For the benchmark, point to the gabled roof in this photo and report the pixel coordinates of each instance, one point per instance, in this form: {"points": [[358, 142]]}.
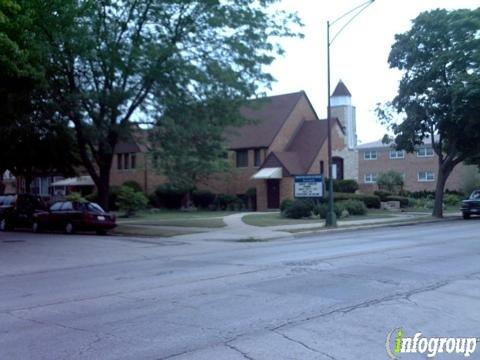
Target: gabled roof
{"points": [[341, 90], [303, 149], [268, 115]]}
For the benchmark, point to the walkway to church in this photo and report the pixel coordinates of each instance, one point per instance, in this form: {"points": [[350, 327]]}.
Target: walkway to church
{"points": [[237, 230]]}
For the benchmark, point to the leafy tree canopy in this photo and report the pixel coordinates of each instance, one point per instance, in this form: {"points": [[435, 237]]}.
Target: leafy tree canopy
{"points": [[439, 93], [112, 63]]}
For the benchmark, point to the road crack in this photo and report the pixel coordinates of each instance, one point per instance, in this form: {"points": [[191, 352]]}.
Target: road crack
{"points": [[304, 345]]}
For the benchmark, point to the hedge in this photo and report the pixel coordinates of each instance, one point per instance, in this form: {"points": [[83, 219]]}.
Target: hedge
{"points": [[298, 209], [203, 198], [345, 186], [370, 201]]}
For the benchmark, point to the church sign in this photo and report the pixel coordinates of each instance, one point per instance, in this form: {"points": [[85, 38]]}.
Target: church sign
{"points": [[308, 186]]}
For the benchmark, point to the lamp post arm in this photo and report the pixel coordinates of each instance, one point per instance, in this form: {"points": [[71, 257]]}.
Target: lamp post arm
{"points": [[360, 9]]}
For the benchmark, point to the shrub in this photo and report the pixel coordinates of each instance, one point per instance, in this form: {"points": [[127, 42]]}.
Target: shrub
{"points": [[382, 194], [424, 194], [424, 203], [346, 186], [370, 201], [202, 198], [169, 196], [285, 204], [452, 199], [228, 202], [134, 185], [322, 209], [404, 201], [390, 181], [130, 201], [298, 209], [75, 196], [354, 207], [112, 197]]}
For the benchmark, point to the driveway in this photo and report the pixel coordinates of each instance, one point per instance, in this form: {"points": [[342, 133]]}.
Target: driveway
{"points": [[330, 296]]}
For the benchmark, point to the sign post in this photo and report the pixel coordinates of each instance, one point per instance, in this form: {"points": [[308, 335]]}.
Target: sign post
{"points": [[309, 186]]}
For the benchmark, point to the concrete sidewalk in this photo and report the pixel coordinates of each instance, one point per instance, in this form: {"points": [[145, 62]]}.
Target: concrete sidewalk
{"points": [[237, 230]]}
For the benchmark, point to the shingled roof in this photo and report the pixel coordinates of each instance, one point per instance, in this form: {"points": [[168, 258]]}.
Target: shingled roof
{"points": [[341, 90], [268, 116], [303, 148]]}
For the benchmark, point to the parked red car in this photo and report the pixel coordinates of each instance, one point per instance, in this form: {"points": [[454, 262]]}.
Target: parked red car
{"points": [[71, 216]]}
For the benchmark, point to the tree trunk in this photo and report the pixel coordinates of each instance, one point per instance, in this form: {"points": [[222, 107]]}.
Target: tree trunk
{"points": [[103, 186], [444, 171], [28, 183]]}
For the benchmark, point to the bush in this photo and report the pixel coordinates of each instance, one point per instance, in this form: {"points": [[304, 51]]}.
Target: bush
{"points": [[322, 209], [424, 194], [298, 209], [75, 196], [112, 197], [391, 181], [228, 202], [169, 196], [346, 186], [404, 201], [130, 201], [134, 185], [452, 199], [370, 201], [285, 204], [382, 194], [354, 207], [203, 198], [424, 203]]}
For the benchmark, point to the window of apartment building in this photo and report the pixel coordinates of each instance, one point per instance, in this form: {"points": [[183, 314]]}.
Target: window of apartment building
{"points": [[397, 154], [370, 178], [257, 158], [242, 158], [424, 152], [426, 176], [370, 155], [322, 167], [126, 161]]}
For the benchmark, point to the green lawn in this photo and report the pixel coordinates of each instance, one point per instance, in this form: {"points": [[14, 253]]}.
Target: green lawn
{"points": [[129, 230], [207, 219], [274, 219]]}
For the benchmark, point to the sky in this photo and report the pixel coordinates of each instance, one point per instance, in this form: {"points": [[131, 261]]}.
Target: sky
{"points": [[358, 56]]}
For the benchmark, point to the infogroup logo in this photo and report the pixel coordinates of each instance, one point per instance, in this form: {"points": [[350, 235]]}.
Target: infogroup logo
{"points": [[397, 343]]}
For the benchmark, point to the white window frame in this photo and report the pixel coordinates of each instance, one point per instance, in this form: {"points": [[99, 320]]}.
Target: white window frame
{"points": [[370, 157], [426, 178], [396, 154], [424, 153], [370, 178]]}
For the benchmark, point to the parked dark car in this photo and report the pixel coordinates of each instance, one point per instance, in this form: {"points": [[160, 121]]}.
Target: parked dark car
{"points": [[71, 216], [472, 205], [17, 210]]}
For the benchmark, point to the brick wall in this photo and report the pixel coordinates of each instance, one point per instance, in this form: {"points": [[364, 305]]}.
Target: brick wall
{"points": [[410, 166]]}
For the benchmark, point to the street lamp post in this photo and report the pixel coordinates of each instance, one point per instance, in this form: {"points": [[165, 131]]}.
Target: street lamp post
{"points": [[331, 219]]}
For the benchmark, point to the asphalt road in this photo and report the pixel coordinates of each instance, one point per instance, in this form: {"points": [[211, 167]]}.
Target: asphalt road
{"points": [[331, 296]]}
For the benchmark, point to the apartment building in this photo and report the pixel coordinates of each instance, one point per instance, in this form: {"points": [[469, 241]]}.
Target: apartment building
{"points": [[419, 169]]}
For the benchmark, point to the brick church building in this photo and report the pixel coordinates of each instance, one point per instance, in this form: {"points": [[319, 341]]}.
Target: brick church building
{"points": [[286, 139]]}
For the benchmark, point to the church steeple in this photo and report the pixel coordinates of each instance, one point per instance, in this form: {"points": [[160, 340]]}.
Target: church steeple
{"points": [[341, 102], [341, 95]]}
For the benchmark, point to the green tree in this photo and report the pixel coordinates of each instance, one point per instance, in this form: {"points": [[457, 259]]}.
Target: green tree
{"points": [[113, 63], [391, 181], [188, 139], [131, 201], [35, 140], [439, 93]]}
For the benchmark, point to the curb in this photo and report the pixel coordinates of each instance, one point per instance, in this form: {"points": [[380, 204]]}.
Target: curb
{"points": [[373, 226]]}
